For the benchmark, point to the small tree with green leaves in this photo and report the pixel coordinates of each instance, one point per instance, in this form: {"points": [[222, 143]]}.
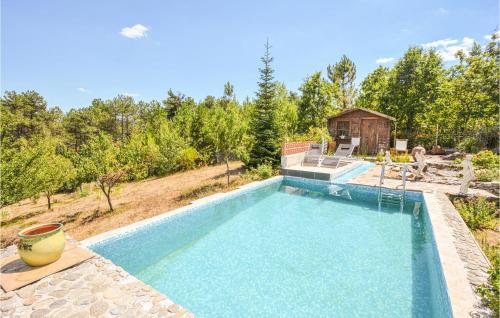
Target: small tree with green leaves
{"points": [[52, 172], [101, 162], [226, 130]]}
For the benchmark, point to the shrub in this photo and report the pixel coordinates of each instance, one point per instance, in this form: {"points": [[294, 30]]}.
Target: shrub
{"points": [[478, 213], [486, 175], [380, 157], [187, 159], [405, 158], [261, 172], [486, 159], [469, 145], [314, 134], [490, 292]]}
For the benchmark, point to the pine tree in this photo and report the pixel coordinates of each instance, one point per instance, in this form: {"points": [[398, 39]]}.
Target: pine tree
{"points": [[264, 129], [342, 75]]}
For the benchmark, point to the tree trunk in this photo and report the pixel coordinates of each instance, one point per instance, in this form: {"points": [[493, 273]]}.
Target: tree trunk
{"points": [[108, 196], [48, 201], [227, 170]]}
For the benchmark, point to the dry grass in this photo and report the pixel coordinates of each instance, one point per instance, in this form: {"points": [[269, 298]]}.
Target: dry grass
{"points": [[87, 216]]}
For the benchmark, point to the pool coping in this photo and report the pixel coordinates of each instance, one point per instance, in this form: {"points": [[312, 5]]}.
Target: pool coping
{"points": [[460, 293], [461, 296]]}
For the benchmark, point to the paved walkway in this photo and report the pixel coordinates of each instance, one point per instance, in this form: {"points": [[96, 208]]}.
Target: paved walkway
{"points": [[94, 288]]}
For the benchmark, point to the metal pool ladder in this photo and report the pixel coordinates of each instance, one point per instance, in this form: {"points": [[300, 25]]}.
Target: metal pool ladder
{"points": [[391, 198]]}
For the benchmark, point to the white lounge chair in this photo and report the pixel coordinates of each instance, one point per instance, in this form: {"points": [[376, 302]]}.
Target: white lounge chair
{"points": [[315, 153], [342, 154], [402, 145]]}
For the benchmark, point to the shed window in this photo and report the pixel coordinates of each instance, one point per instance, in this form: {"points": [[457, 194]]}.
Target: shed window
{"points": [[343, 128]]}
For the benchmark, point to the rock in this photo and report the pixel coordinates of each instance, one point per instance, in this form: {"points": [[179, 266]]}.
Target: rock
{"points": [[453, 156], [72, 276], [40, 313], [43, 303], [111, 293], [59, 293], [29, 301], [437, 150], [173, 308], [85, 300], [58, 303], [118, 310], [492, 187], [6, 295], [417, 149], [98, 308], [81, 314]]}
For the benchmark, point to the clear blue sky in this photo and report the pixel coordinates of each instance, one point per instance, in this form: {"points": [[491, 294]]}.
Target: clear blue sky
{"points": [[74, 51]]}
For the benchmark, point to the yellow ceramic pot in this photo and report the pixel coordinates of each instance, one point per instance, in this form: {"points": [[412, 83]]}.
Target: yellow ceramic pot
{"points": [[41, 244]]}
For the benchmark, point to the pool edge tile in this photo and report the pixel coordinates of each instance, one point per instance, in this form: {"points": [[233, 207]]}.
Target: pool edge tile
{"points": [[461, 296]]}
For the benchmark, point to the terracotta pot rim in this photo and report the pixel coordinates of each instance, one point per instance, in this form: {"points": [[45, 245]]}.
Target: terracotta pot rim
{"points": [[56, 229]]}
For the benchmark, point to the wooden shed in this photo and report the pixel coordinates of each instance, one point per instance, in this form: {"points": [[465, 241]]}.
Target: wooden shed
{"points": [[373, 129]]}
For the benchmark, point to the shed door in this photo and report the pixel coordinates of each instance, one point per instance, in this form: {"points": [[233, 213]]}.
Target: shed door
{"points": [[369, 136]]}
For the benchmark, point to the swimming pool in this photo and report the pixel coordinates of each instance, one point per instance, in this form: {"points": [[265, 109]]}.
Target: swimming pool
{"points": [[290, 247]]}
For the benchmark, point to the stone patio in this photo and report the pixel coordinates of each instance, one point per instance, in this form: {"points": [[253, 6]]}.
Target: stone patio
{"points": [[94, 288]]}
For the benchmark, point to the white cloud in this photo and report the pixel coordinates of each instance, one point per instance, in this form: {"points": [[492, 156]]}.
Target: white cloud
{"points": [[384, 60], [488, 36], [131, 94], [135, 32], [443, 10], [447, 48], [437, 43], [82, 89]]}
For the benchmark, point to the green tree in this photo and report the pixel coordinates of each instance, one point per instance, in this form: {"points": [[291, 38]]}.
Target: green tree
{"points": [[228, 92], [413, 89], [286, 111], [140, 156], [102, 163], [226, 131], [48, 169], [315, 103], [79, 127], [342, 76], [474, 92], [265, 132], [374, 89], [173, 102], [24, 116]]}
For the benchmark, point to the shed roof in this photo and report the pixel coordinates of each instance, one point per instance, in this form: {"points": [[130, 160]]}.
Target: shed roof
{"points": [[363, 109]]}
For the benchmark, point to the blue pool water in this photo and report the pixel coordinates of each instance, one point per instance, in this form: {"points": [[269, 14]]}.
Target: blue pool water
{"points": [[291, 249], [362, 167]]}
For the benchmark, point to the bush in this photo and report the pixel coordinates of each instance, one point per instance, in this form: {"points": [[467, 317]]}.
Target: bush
{"points": [[469, 145], [486, 159], [188, 159], [405, 158], [261, 172], [490, 292], [314, 134], [486, 175], [478, 213]]}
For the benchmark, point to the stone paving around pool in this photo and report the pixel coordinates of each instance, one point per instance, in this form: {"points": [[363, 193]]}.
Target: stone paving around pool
{"points": [[94, 288], [474, 262]]}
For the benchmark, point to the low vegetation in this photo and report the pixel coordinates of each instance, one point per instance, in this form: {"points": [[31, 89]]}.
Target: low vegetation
{"points": [[481, 217], [478, 214]]}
